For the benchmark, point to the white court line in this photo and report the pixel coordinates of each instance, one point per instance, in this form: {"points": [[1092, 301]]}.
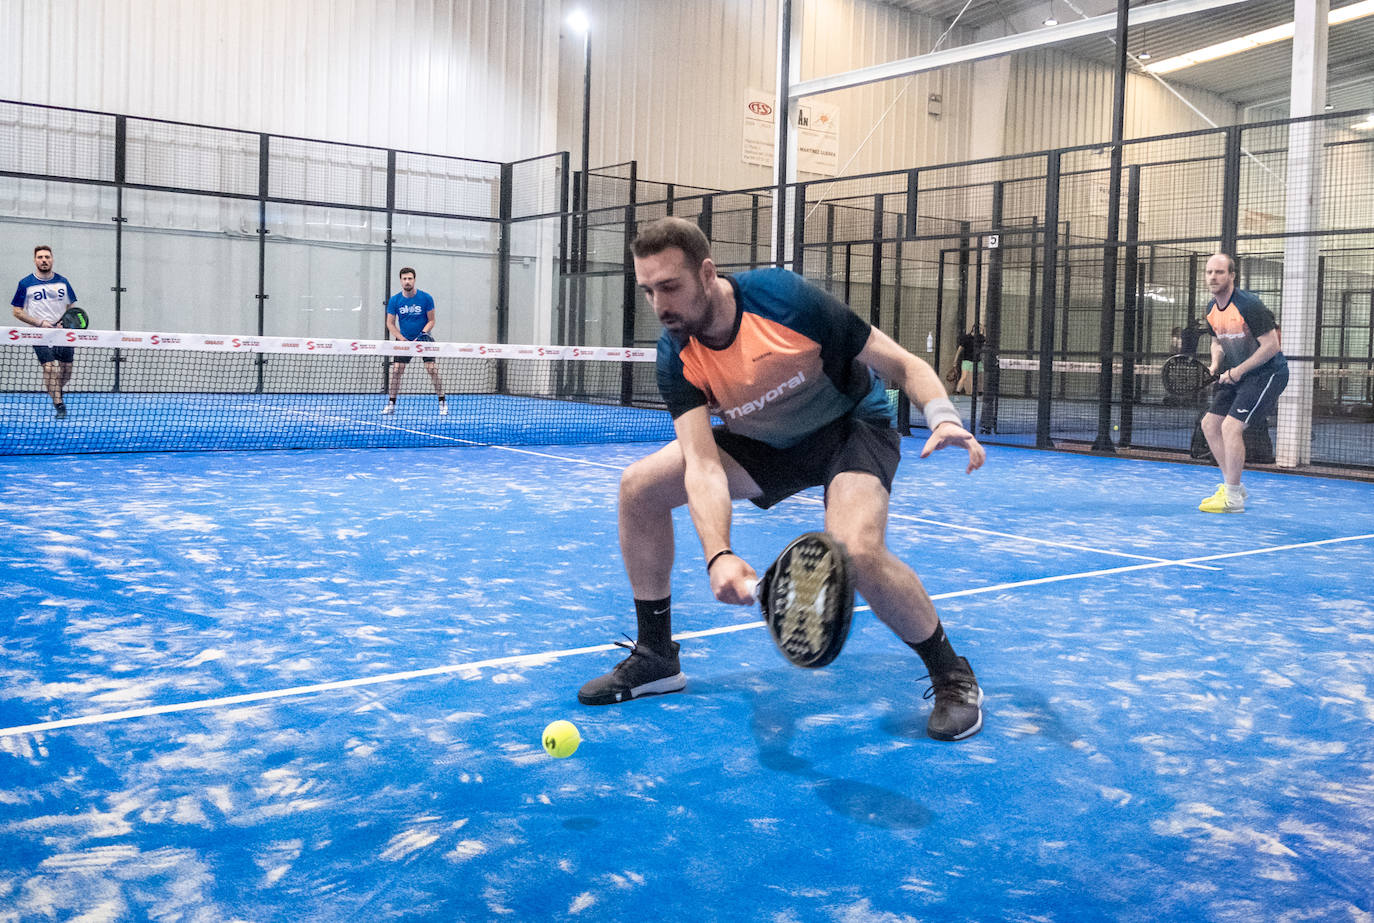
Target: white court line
{"points": [[434, 435], [536, 659], [1034, 541]]}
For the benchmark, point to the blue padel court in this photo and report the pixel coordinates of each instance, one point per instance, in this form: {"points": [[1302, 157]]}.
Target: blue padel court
{"points": [[311, 686]]}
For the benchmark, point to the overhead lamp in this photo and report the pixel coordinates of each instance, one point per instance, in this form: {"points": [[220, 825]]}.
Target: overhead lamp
{"points": [[1050, 20], [1281, 33], [1144, 56]]}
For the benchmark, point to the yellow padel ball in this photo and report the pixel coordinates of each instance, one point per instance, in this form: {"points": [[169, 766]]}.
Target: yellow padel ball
{"points": [[561, 739]]}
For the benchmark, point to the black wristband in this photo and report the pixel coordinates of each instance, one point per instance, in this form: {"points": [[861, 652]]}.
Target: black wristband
{"points": [[716, 556]]}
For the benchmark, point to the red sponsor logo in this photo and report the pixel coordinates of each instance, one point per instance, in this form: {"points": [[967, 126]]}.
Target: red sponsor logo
{"points": [[131, 339], [353, 346], [309, 344], [760, 108], [71, 337], [159, 339], [290, 345], [214, 342]]}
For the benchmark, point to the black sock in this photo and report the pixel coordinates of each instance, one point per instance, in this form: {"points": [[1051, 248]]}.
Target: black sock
{"points": [[937, 652], [655, 623]]}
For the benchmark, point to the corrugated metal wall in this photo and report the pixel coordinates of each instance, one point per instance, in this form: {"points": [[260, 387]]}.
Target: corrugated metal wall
{"points": [[1055, 100], [473, 78], [669, 81], [894, 116], [502, 79]]}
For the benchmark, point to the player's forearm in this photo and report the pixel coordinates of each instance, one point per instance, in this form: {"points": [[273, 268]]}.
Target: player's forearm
{"points": [[1265, 352], [708, 503]]}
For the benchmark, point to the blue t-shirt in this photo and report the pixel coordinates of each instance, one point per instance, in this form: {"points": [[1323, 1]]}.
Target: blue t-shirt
{"points": [[789, 369], [411, 313], [44, 299]]}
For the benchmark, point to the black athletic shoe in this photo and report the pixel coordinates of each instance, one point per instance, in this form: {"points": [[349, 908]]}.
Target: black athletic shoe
{"points": [[958, 711], [60, 411], [644, 672]]}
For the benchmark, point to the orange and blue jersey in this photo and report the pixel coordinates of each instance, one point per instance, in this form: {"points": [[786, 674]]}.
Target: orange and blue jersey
{"points": [[790, 368], [1238, 327]]}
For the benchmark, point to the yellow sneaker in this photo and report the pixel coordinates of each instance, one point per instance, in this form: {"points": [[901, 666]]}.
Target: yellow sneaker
{"points": [[1225, 500]]}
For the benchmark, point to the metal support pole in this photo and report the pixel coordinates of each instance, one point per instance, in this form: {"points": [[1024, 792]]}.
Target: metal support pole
{"points": [[1107, 325]]}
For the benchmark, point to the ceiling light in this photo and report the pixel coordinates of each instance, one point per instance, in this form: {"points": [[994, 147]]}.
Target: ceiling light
{"points": [[1256, 39], [1366, 125], [1144, 56], [1051, 21]]}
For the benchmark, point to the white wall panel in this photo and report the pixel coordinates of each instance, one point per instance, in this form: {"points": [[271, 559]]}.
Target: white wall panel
{"points": [[472, 78]]}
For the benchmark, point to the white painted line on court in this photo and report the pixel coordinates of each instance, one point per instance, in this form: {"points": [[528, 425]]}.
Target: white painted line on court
{"points": [[536, 659], [455, 439], [1025, 538]]}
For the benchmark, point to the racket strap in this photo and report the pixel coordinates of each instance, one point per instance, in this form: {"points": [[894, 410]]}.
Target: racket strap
{"points": [[936, 651]]}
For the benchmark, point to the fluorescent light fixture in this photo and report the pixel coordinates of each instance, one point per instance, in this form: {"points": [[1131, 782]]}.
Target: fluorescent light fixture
{"points": [[578, 22], [1366, 125], [1256, 39]]}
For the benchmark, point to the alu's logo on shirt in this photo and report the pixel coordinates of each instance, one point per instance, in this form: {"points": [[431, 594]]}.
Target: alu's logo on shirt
{"points": [[748, 407]]}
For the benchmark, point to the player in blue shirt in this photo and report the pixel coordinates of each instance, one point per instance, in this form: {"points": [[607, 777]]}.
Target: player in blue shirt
{"points": [[786, 367], [41, 299], [410, 316]]}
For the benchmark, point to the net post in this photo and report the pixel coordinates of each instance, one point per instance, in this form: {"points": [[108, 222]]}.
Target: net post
{"points": [[264, 187]]}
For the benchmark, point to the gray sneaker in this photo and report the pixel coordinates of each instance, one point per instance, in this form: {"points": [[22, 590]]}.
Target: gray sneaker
{"points": [[958, 711], [644, 672]]}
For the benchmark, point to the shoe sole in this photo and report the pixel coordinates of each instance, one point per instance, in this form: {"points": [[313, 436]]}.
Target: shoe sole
{"points": [[665, 686], [964, 735]]}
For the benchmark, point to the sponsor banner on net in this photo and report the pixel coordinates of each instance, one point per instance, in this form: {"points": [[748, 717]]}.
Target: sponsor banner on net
{"points": [[213, 342]]}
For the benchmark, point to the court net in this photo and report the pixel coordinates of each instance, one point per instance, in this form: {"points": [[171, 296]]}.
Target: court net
{"points": [[144, 392]]}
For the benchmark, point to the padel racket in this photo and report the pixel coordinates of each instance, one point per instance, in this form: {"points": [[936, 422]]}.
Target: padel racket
{"points": [[75, 319], [807, 597], [1184, 375]]}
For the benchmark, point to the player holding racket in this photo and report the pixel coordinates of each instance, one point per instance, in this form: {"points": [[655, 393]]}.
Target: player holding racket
{"points": [[1252, 373], [786, 367], [41, 299], [410, 316]]}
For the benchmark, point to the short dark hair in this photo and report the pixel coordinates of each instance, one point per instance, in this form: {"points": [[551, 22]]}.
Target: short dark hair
{"points": [[41, 247], [404, 270], [669, 232]]}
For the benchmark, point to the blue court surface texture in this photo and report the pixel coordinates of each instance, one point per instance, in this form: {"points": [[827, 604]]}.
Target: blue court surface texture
{"points": [[311, 686]]}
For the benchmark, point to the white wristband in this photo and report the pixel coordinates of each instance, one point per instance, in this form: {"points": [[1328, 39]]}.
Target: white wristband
{"points": [[941, 410]]}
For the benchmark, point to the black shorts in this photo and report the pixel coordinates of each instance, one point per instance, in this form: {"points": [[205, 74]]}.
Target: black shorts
{"points": [[405, 360], [1256, 395], [48, 354], [847, 444]]}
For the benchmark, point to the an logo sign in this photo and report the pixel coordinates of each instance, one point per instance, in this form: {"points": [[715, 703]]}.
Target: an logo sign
{"points": [[760, 108]]}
